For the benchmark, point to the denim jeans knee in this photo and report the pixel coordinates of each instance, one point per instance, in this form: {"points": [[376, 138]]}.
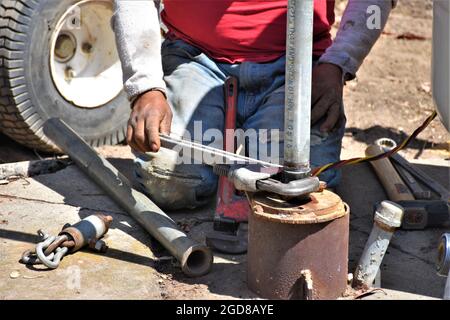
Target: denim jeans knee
{"points": [[174, 186]]}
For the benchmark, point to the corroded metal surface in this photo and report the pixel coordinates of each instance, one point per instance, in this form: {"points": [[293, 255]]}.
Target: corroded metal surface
{"points": [[321, 207], [287, 239]]}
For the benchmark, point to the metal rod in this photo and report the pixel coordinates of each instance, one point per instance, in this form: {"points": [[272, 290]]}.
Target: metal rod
{"points": [[208, 155], [299, 44], [388, 216], [195, 259]]}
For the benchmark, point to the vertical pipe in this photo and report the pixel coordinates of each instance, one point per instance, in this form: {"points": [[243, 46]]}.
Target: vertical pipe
{"points": [[299, 44]]}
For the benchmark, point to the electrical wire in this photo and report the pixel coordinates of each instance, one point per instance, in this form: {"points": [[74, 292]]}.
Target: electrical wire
{"points": [[340, 164]]}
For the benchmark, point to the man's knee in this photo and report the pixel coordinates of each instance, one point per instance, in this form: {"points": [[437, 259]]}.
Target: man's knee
{"points": [[174, 186]]}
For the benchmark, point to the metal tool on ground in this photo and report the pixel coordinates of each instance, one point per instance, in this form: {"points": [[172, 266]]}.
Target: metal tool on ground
{"points": [[443, 263], [196, 259], [418, 192], [388, 217], [247, 174], [229, 233], [419, 214], [389, 178], [442, 192], [72, 238], [413, 175]]}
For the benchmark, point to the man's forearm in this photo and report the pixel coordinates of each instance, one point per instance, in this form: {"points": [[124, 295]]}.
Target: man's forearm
{"points": [[138, 37], [356, 36]]}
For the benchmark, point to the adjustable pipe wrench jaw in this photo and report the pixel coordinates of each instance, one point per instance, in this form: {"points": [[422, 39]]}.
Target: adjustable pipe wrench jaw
{"points": [[256, 178]]}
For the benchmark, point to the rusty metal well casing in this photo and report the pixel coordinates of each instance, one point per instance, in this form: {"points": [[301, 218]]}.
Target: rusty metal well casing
{"points": [[287, 241]]}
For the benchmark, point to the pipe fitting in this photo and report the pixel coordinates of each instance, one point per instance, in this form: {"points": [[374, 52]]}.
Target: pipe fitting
{"points": [[388, 217], [87, 231], [388, 214]]}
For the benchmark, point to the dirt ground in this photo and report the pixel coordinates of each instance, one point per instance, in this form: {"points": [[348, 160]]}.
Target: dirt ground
{"points": [[390, 98], [392, 93]]}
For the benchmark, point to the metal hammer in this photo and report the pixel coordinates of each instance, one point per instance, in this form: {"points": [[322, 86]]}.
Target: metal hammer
{"points": [[419, 214]]}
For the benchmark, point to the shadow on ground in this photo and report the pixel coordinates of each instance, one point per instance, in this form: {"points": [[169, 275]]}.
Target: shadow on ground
{"points": [[77, 190], [11, 151], [370, 135]]}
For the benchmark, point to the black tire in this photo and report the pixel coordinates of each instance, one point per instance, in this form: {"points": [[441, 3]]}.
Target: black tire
{"points": [[28, 95]]}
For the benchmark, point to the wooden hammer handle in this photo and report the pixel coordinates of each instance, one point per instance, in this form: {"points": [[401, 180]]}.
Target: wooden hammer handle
{"points": [[389, 178]]}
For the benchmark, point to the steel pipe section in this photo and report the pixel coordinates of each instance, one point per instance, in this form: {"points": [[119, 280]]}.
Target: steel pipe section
{"points": [[297, 116], [388, 217], [195, 259], [443, 264]]}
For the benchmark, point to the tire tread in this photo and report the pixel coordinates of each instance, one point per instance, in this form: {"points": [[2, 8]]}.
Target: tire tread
{"points": [[18, 117]]}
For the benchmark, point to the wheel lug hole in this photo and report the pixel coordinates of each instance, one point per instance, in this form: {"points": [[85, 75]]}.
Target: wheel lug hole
{"points": [[65, 47]]}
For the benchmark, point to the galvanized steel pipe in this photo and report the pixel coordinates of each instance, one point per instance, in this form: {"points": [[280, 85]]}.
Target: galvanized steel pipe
{"points": [[443, 265], [447, 288], [196, 259], [297, 114], [388, 217]]}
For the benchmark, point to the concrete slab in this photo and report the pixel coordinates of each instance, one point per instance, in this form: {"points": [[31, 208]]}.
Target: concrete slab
{"points": [[129, 270], [125, 272]]}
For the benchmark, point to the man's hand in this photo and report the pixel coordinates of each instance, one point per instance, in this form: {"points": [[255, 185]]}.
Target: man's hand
{"points": [[327, 89], [151, 115]]}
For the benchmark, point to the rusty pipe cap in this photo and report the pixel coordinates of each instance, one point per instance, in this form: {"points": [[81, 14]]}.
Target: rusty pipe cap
{"points": [[389, 214]]}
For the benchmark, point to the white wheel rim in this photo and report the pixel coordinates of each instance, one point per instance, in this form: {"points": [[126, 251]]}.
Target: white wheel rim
{"points": [[84, 63]]}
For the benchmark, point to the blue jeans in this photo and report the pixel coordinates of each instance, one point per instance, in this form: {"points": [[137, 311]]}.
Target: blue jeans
{"points": [[195, 92]]}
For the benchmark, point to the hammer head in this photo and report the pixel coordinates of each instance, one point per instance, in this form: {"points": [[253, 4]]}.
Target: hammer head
{"points": [[420, 214]]}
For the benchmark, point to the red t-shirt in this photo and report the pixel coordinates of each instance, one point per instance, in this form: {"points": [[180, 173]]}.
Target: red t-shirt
{"points": [[247, 30]]}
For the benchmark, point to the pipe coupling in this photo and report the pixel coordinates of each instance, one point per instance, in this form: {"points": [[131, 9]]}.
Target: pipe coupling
{"points": [[389, 214]]}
